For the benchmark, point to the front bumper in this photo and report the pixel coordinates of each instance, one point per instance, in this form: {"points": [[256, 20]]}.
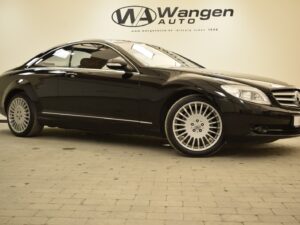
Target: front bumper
{"points": [[242, 119]]}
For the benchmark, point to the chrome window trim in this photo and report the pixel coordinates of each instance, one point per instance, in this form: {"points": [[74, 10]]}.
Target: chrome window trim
{"points": [[59, 70], [34, 62], [95, 117]]}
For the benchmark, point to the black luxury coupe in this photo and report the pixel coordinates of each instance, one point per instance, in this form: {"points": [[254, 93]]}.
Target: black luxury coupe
{"points": [[137, 88]]}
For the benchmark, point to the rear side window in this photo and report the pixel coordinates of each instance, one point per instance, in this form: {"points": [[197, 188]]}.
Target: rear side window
{"points": [[58, 58]]}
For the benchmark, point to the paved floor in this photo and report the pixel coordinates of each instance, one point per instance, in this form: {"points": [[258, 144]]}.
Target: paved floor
{"points": [[70, 178], [2, 118]]}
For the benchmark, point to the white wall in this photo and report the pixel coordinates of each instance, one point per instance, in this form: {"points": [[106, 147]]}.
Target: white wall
{"points": [[262, 38]]}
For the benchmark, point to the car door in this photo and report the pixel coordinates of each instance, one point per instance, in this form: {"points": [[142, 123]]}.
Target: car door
{"points": [[92, 91]]}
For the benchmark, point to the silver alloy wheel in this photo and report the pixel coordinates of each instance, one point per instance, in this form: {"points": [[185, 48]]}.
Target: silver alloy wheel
{"points": [[19, 115], [197, 126]]}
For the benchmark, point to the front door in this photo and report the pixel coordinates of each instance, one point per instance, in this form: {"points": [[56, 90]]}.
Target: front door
{"points": [[91, 91]]}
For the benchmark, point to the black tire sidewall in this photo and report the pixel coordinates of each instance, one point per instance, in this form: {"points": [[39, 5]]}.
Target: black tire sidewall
{"points": [[170, 134], [32, 115]]}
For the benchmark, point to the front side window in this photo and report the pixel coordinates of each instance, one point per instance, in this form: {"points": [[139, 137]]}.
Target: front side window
{"points": [[58, 58], [92, 56]]}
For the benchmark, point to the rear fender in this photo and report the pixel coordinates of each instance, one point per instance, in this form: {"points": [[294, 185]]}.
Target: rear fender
{"points": [[17, 86]]}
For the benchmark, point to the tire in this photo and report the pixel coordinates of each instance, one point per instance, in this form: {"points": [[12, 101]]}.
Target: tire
{"points": [[22, 117], [194, 127]]}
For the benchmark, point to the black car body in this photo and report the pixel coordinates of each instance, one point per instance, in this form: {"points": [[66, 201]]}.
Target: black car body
{"points": [[135, 98]]}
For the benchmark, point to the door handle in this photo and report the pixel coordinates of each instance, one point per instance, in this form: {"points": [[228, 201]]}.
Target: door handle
{"points": [[70, 74]]}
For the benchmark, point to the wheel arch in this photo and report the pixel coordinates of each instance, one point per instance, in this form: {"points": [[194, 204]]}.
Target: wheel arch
{"points": [[15, 88], [177, 96]]}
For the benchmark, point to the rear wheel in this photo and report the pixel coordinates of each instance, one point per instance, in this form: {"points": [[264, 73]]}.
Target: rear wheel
{"points": [[22, 117], [194, 126]]}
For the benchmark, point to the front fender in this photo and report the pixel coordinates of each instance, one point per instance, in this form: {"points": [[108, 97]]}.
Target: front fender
{"points": [[189, 83]]}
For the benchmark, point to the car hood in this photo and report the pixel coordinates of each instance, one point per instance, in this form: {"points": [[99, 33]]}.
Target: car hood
{"points": [[232, 77]]}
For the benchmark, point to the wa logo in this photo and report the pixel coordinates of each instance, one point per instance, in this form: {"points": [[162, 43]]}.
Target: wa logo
{"points": [[133, 16]]}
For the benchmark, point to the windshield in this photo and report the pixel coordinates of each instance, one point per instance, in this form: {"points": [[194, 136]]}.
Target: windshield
{"points": [[155, 56]]}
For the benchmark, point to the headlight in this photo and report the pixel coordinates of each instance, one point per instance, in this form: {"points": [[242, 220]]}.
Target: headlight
{"points": [[247, 93]]}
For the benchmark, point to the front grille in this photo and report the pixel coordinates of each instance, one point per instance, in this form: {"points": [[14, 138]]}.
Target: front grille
{"points": [[288, 98]]}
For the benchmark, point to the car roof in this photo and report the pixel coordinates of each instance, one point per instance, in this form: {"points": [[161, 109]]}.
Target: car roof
{"points": [[105, 41]]}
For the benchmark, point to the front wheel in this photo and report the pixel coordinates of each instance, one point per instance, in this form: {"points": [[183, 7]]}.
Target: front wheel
{"points": [[22, 117], [194, 127]]}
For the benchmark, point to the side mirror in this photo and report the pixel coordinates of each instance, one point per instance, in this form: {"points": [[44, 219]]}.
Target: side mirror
{"points": [[119, 64], [115, 66]]}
